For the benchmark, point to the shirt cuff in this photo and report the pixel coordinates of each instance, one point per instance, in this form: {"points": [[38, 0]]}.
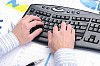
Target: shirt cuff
{"points": [[9, 42], [65, 57]]}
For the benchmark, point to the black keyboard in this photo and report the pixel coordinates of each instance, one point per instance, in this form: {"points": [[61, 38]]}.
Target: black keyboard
{"points": [[86, 24]]}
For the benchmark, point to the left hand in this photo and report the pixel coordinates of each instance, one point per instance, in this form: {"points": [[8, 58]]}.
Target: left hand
{"points": [[22, 29]]}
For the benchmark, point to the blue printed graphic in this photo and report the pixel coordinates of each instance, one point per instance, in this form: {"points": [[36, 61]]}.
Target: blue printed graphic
{"points": [[1, 20], [92, 4], [0, 27], [12, 27], [13, 3]]}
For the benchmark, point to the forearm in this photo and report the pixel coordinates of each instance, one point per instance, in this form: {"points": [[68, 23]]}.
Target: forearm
{"points": [[7, 43], [65, 57]]}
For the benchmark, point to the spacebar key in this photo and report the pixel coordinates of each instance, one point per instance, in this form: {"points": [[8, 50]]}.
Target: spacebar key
{"points": [[42, 39], [44, 34]]}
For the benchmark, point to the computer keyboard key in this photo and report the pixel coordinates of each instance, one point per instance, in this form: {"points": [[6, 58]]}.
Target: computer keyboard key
{"points": [[90, 28], [58, 9], [58, 16], [87, 19], [79, 34], [44, 35], [92, 36], [46, 23], [93, 20], [78, 12], [32, 10], [95, 30], [78, 38], [68, 11], [47, 19], [41, 39], [51, 20], [54, 16], [83, 27], [43, 7], [80, 31], [77, 27], [51, 24], [48, 14], [37, 12], [98, 20]]}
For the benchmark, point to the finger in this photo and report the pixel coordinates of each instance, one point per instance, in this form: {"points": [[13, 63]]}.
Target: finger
{"points": [[69, 28], [55, 29], [63, 26], [31, 17], [73, 33], [49, 37], [35, 33], [34, 23]]}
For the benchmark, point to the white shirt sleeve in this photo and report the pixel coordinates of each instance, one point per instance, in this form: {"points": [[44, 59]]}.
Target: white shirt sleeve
{"points": [[7, 43], [65, 57]]}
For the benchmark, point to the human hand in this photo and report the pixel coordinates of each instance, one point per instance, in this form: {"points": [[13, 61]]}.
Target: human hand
{"points": [[22, 29], [64, 38]]}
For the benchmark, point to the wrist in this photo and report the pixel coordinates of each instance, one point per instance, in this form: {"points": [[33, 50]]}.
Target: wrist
{"points": [[64, 49], [15, 37]]}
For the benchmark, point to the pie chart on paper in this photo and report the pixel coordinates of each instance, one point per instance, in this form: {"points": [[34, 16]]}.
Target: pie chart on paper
{"points": [[92, 4]]}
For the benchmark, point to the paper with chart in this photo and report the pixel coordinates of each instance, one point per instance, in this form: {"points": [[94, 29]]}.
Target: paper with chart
{"points": [[27, 55]]}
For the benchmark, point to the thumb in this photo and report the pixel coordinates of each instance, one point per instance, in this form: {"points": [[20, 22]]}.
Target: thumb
{"points": [[35, 33]]}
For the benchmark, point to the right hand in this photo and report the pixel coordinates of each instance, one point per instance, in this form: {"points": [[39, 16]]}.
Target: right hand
{"points": [[64, 38]]}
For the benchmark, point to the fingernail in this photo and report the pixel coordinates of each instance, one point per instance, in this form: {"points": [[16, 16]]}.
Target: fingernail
{"points": [[55, 24], [41, 29]]}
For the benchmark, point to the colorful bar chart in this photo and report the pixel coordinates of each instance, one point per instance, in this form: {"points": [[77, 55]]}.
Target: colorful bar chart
{"points": [[18, 7], [13, 3]]}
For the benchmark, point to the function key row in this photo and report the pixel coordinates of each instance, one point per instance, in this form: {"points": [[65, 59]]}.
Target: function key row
{"points": [[43, 13]]}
